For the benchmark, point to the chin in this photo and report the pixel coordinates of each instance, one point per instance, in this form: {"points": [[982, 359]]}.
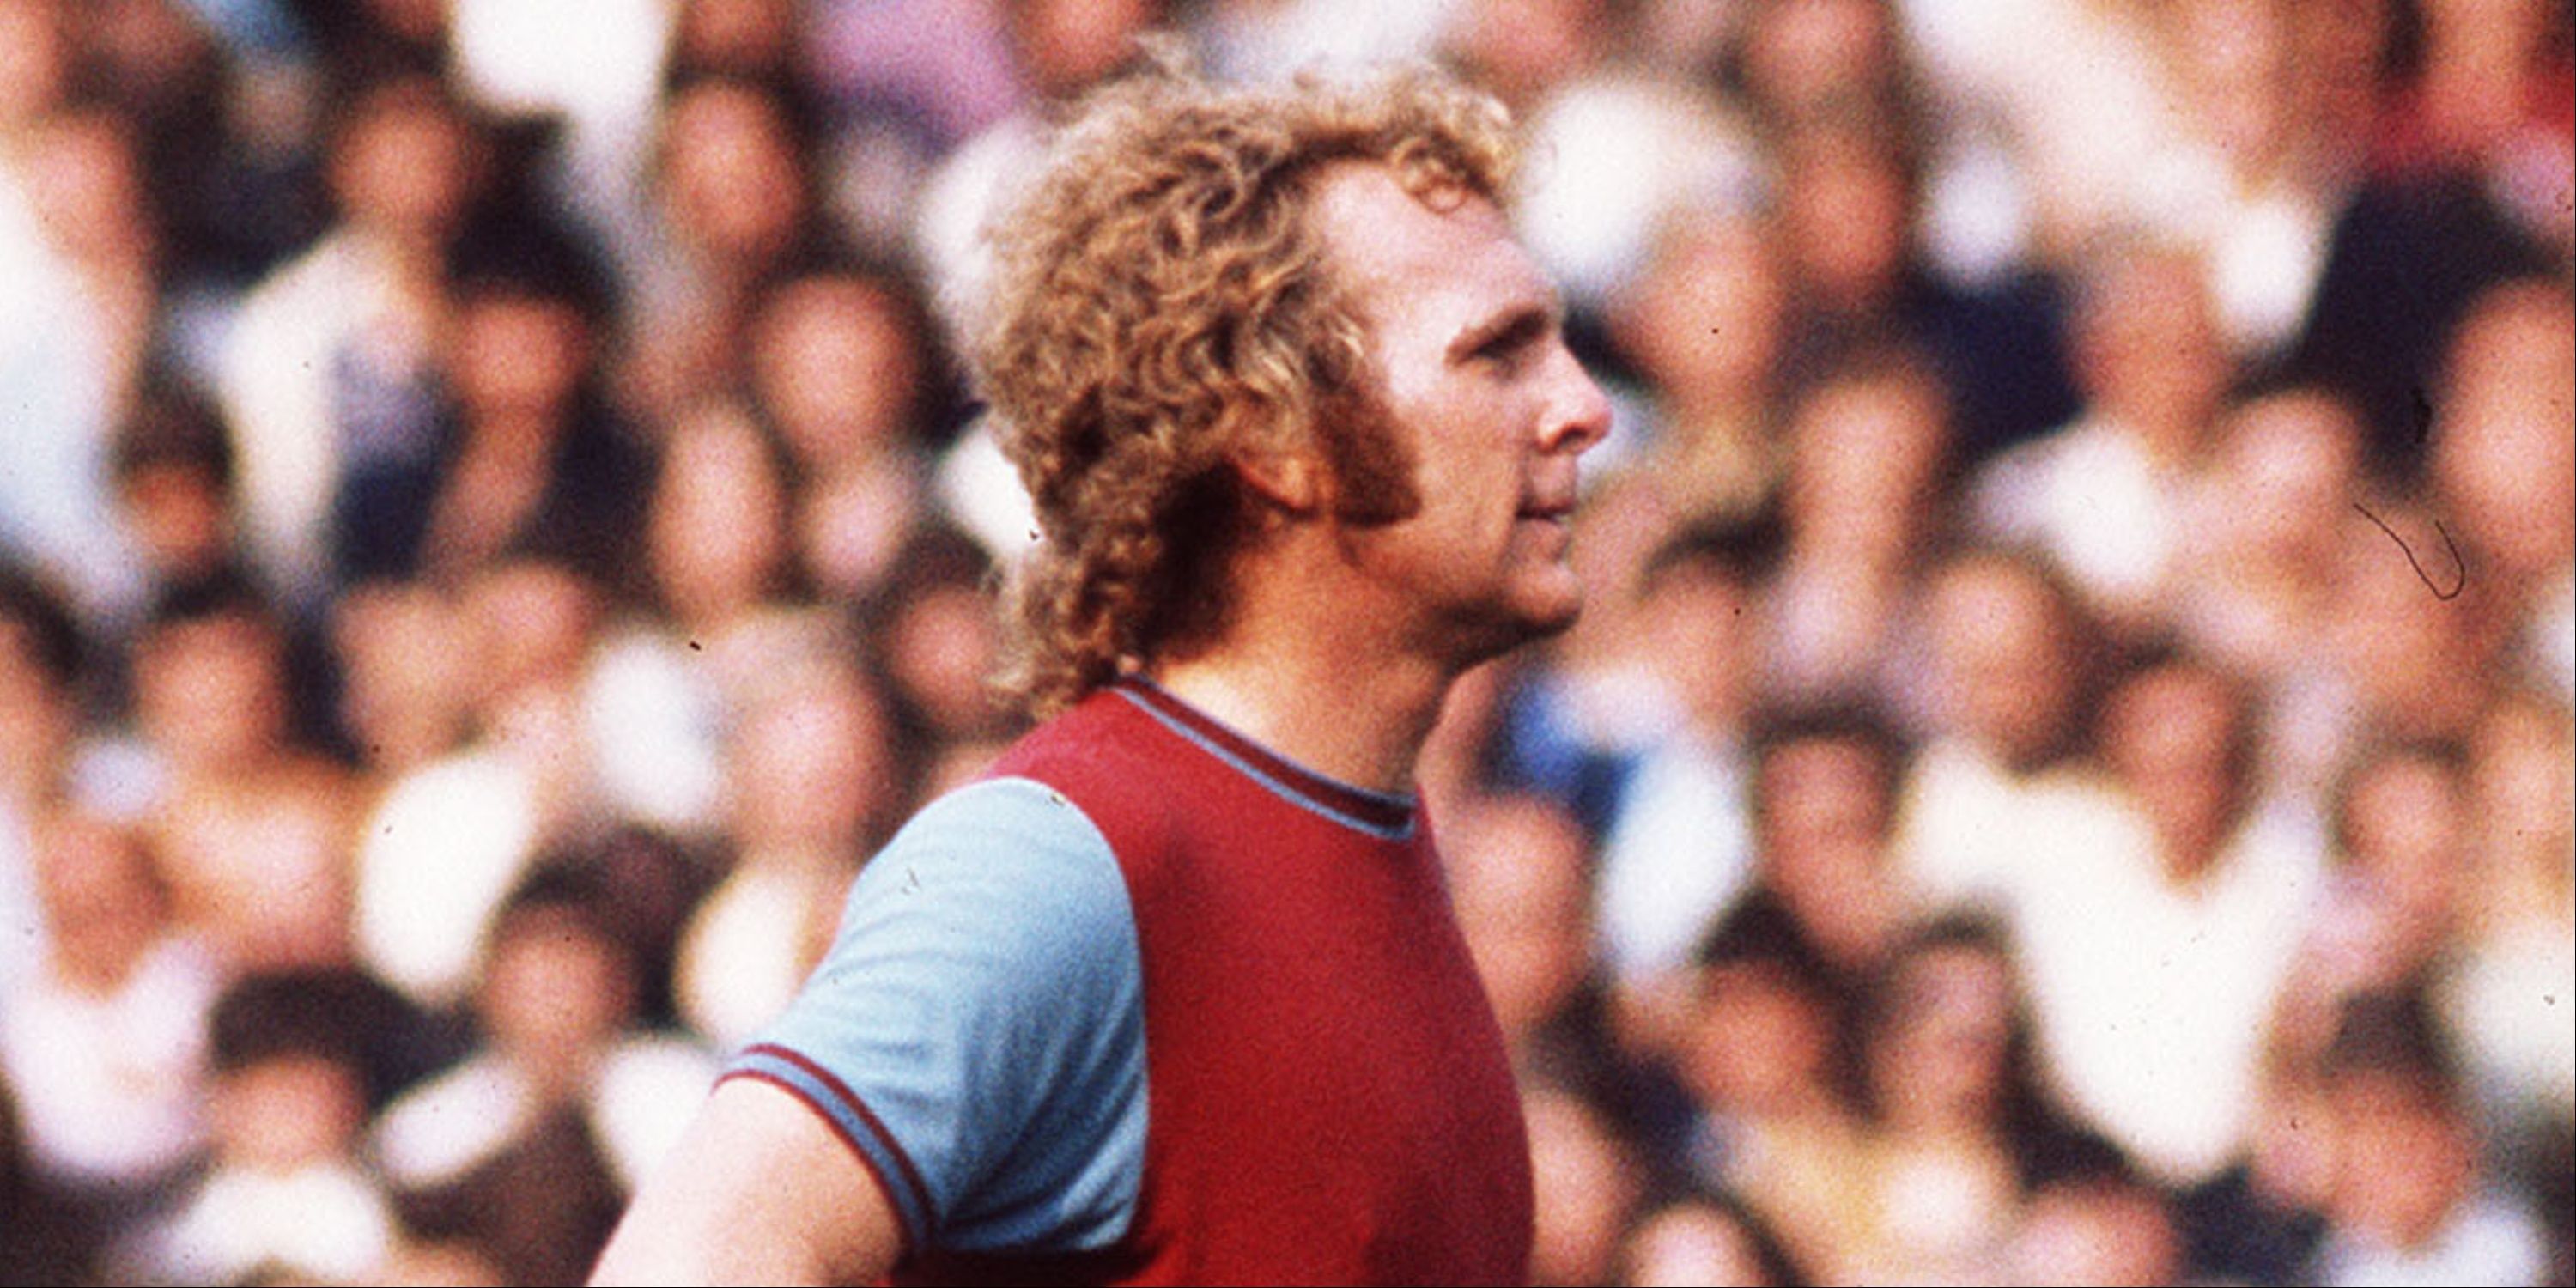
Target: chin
{"points": [[1525, 623]]}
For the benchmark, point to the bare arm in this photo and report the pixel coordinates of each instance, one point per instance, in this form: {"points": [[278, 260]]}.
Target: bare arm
{"points": [[759, 1191]]}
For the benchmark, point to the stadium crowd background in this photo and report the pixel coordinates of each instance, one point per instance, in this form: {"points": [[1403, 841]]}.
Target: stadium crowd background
{"points": [[2066, 776]]}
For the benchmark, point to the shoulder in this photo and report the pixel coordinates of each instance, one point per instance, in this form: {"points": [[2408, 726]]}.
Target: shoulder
{"points": [[1002, 880]]}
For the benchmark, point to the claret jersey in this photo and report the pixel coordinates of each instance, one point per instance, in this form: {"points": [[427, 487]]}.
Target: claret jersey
{"points": [[1150, 1004]]}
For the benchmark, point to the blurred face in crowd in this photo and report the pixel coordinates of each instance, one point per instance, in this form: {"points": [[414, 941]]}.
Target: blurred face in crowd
{"points": [[1762, 1041], [2246, 93], [36, 717], [287, 1112], [1584, 1183], [1938, 1060], [103, 906], [532, 621], [813, 768], [743, 37], [2407, 1158], [1705, 321], [2522, 803], [1066, 46], [831, 363], [940, 649], [35, 61], [261, 869], [405, 665], [1692, 1243], [179, 514], [2288, 467], [86, 184], [518, 357], [2170, 736], [2404, 831], [2417, 663], [2003, 666], [2098, 1232], [210, 692], [556, 992], [2148, 349], [2505, 453], [1806, 57], [405, 166], [1823, 828], [1861, 468], [1522, 49], [731, 177], [1847, 219], [1697, 615], [717, 530], [1517, 870]]}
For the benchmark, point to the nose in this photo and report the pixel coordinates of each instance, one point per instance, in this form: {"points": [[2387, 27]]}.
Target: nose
{"points": [[1578, 412]]}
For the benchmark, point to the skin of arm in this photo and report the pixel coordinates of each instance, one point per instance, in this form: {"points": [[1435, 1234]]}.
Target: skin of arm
{"points": [[759, 1191]]}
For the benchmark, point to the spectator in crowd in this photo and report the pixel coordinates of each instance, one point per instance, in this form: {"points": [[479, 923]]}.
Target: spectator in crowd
{"points": [[1703, 323], [732, 201], [842, 369], [530, 1146], [2276, 512], [814, 785], [2515, 949], [1704, 1239], [445, 841], [2391, 907], [2412, 1201], [1823, 805], [2103, 1227], [2260, 1221], [2502, 465], [1680, 848], [40, 724], [1767, 1064], [2007, 659], [285, 1192], [175, 498], [2157, 942], [534, 461], [1869, 448], [1961, 1128], [105, 1045], [1586, 1187], [2106, 495], [327, 377]]}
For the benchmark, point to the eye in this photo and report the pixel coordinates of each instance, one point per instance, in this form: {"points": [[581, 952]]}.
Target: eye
{"points": [[1507, 347]]}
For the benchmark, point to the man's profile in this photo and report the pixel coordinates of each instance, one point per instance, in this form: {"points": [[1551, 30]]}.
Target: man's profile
{"points": [[1174, 993]]}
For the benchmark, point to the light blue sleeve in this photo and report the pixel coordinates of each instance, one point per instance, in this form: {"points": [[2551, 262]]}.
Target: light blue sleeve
{"points": [[977, 1033]]}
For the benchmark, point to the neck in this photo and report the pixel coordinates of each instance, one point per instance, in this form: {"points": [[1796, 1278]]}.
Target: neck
{"points": [[1359, 718]]}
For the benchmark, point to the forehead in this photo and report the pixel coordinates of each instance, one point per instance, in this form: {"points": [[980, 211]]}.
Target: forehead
{"points": [[1442, 263]]}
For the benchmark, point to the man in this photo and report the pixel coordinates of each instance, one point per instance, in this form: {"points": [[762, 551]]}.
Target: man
{"points": [[1175, 993]]}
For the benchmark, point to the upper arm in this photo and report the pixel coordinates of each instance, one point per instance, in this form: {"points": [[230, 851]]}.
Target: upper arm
{"points": [[970, 1053], [758, 1191]]}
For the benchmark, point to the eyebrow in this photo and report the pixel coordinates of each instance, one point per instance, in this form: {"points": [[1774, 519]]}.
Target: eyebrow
{"points": [[1514, 327]]}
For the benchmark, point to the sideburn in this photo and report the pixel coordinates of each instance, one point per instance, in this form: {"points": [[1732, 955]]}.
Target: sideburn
{"points": [[1371, 467]]}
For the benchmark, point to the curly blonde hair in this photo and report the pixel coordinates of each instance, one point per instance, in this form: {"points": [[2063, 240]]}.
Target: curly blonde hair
{"points": [[1161, 306]]}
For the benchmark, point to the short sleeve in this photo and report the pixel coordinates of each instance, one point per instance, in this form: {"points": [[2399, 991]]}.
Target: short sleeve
{"points": [[976, 1034]]}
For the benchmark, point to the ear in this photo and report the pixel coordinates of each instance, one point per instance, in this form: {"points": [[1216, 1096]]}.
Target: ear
{"points": [[1294, 481]]}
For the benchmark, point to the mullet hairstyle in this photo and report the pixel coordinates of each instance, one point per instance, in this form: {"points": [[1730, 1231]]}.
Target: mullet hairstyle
{"points": [[1162, 308]]}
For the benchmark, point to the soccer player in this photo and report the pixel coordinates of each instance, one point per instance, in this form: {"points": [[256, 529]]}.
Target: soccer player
{"points": [[1174, 993]]}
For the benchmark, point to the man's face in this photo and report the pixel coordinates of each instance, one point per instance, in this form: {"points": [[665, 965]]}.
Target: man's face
{"points": [[1482, 397]]}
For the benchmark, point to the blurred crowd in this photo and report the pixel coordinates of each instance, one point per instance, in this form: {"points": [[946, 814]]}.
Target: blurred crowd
{"points": [[2066, 776]]}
